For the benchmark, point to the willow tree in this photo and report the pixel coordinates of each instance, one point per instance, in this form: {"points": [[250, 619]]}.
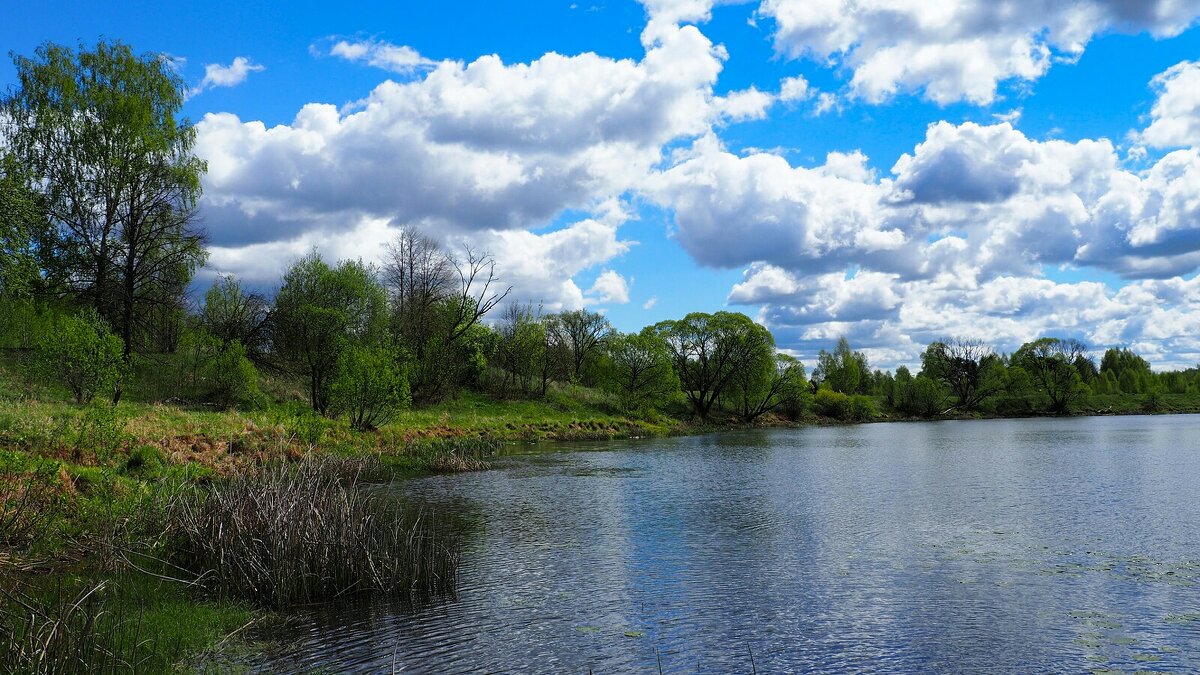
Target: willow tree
{"points": [[100, 134], [709, 350]]}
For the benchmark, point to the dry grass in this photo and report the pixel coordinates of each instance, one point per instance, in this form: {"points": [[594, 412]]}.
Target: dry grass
{"points": [[310, 531]]}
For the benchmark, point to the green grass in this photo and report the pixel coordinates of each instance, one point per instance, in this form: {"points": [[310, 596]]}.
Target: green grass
{"points": [[112, 623]]}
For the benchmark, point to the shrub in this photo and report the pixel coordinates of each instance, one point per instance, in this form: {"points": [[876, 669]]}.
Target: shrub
{"points": [[829, 403], [215, 373], [369, 388], [863, 408], [83, 354], [232, 379], [1154, 402]]}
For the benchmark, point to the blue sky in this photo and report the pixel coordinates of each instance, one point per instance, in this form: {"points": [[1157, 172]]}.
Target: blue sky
{"points": [[890, 170]]}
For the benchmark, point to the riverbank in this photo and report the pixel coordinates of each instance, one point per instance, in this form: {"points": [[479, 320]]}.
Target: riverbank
{"points": [[76, 483]]}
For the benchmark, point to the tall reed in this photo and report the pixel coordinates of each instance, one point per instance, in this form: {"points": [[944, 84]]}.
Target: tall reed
{"points": [[310, 531]]}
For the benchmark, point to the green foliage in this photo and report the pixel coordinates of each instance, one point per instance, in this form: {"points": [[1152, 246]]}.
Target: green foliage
{"points": [[832, 404], [231, 314], [233, 381], [709, 350], [99, 134], [81, 353], [1052, 366], [320, 312], [770, 381], [145, 460], [521, 347], [23, 225], [1154, 402], [637, 369], [921, 395], [970, 369], [216, 373], [844, 371], [370, 387], [863, 408]]}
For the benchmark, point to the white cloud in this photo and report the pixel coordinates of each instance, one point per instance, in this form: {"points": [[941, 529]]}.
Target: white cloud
{"points": [[747, 104], [217, 75], [1175, 117], [650, 302], [794, 89], [954, 51], [467, 147], [609, 288], [955, 241], [380, 54]]}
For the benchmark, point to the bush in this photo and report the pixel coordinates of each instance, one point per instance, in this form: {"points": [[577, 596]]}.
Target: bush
{"points": [[370, 387], [232, 379], [83, 354], [1154, 402], [215, 373], [863, 408], [829, 403]]}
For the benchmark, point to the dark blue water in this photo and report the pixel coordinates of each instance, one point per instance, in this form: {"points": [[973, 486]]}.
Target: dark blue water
{"points": [[1017, 546]]}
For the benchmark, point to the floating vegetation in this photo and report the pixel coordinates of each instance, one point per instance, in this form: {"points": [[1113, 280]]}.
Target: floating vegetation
{"points": [[1190, 617], [635, 634]]}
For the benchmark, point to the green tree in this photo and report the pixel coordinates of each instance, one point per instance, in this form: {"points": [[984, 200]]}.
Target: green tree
{"points": [[321, 311], [82, 353], [969, 368], [844, 371], [231, 314], [581, 334], [769, 382], [522, 348], [100, 135], [22, 226], [437, 297], [1050, 363], [709, 350], [370, 387], [637, 369]]}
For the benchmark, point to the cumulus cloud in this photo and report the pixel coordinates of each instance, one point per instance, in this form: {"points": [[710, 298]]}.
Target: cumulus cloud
{"points": [[609, 288], [1175, 117], [794, 89], [470, 146], [747, 104], [957, 239], [954, 51], [381, 54], [483, 153], [217, 75], [732, 210]]}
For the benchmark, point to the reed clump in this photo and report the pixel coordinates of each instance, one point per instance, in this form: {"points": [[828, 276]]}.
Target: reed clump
{"points": [[453, 455], [310, 531]]}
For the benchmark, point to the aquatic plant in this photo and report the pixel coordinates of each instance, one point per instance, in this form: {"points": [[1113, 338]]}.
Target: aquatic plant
{"points": [[310, 531]]}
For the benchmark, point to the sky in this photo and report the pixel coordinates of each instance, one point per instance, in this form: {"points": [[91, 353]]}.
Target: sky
{"points": [[891, 171]]}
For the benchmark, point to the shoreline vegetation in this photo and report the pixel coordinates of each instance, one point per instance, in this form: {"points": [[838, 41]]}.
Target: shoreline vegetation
{"points": [[175, 470]]}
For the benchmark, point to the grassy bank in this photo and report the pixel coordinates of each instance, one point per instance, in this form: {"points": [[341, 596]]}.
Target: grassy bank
{"points": [[146, 536]]}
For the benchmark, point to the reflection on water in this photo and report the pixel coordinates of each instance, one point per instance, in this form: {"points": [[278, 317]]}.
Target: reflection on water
{"points": [[994, 546]]}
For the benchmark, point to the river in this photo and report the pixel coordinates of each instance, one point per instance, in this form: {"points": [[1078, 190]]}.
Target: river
{"points": [[1039, 545]]}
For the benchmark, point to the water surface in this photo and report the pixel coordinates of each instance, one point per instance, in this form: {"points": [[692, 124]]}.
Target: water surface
{"points": [[1045, 545]]}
